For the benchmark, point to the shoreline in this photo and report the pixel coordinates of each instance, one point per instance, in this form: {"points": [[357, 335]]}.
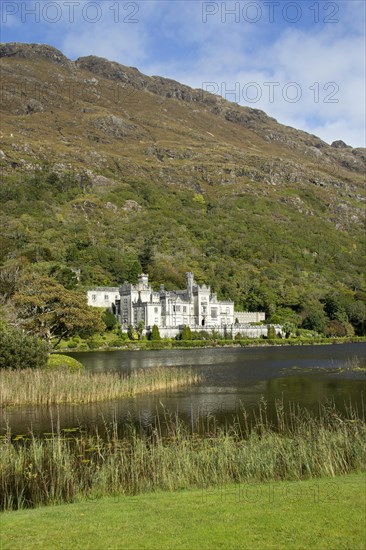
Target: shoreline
{"points": [[200, 344]]}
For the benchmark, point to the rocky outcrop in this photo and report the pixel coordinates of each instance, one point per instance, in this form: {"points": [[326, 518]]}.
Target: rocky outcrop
{"points": [[339, 144], [113, 126], [34, 51]]}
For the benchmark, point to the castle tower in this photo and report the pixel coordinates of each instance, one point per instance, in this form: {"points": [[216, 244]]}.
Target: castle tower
{"points": [[189, 279], [143, 280]]}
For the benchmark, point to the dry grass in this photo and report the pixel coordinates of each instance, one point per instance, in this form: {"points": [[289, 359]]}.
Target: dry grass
{"points": [[43, 387]]}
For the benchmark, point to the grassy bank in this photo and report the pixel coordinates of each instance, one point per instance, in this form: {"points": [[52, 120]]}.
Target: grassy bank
{"points": [[168, 343], [56, 469], [43, 387], [320, 514]]}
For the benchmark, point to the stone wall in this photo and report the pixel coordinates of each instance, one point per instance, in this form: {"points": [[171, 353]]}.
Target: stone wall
{"points": [[231, 331], [249, 316]]}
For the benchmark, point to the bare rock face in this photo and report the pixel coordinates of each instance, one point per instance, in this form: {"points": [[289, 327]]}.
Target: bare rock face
{"points": [[131, 76], [131, 206], [102, 181], [339, 144], [112, 71], [112, 207], [33, 106], [85, 205], [113, 126], [37, 51]]}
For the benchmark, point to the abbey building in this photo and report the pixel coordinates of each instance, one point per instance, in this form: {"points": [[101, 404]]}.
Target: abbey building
{"points": [[195, 306]]}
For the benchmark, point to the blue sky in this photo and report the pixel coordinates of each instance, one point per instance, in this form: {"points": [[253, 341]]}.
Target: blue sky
{"points": [[302, 62]]}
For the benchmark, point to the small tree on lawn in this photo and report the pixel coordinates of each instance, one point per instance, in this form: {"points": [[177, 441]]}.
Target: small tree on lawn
{"points": [[155, 334], [288, 328], [140, 329], [335, 329], [132, 333], [186, 333]]}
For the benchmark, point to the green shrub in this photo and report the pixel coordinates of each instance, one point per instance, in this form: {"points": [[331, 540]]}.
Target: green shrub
{"points": [[187, 333], [132, 333], [200, 335], [21, 351], [190, 343], [153, 344], [83, 346], [93, 344], [109, 320], [335, 328], [223, 342], [63, 362], [117, 343], [72, 344]]}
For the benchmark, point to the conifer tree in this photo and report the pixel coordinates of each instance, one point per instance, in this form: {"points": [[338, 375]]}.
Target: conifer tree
{"points": [[155, 334]]}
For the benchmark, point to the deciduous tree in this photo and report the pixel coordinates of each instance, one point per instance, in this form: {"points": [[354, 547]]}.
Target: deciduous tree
{"points": [[45, 308]]}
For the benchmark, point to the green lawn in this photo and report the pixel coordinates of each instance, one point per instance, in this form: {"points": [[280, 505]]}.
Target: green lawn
{"points": [[323, 514]]}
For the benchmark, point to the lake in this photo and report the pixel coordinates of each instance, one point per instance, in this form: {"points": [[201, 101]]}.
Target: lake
{"points": [[233, 377]]}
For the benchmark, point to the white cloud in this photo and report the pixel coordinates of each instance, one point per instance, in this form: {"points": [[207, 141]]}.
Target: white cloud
{"points": [[115, 36], [326, 62], [125, 45]]}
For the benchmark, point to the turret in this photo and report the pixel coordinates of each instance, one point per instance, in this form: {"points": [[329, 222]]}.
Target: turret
{"points": [[189, 279], [143, 279]]}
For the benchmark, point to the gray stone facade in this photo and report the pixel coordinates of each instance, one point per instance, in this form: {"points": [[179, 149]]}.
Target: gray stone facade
{"points": [[195, 306]]}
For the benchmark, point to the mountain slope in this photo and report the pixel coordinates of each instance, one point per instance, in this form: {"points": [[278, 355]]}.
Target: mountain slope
{"points": [[106, 171]]}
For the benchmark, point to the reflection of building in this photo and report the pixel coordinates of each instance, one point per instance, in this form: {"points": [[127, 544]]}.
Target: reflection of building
{"points": [[195, 306]]}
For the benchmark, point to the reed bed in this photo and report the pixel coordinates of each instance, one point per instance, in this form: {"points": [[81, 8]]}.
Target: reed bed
{"points": [[46, 387], [40, 471]]}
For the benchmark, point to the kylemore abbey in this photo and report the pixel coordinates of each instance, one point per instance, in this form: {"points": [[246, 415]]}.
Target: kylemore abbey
{"points": [[195, 306]]}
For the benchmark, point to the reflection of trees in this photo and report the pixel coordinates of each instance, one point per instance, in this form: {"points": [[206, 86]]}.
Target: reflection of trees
{"points": [[310, 391]]}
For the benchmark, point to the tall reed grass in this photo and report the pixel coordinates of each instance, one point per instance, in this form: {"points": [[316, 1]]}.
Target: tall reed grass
{"points": [[45, 387], [56, 469]]}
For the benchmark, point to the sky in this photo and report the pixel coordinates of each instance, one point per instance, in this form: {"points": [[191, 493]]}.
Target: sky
{"points": [[301, 62]]}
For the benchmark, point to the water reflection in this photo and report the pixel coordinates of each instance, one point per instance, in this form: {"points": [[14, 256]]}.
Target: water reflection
{"points": [[233, 378]]}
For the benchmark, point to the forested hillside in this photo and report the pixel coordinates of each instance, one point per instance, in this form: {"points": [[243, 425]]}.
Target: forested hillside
{"points": [[106, 172]]}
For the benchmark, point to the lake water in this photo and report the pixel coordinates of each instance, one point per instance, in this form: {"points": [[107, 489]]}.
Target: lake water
{"points": [[233, 377]]}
